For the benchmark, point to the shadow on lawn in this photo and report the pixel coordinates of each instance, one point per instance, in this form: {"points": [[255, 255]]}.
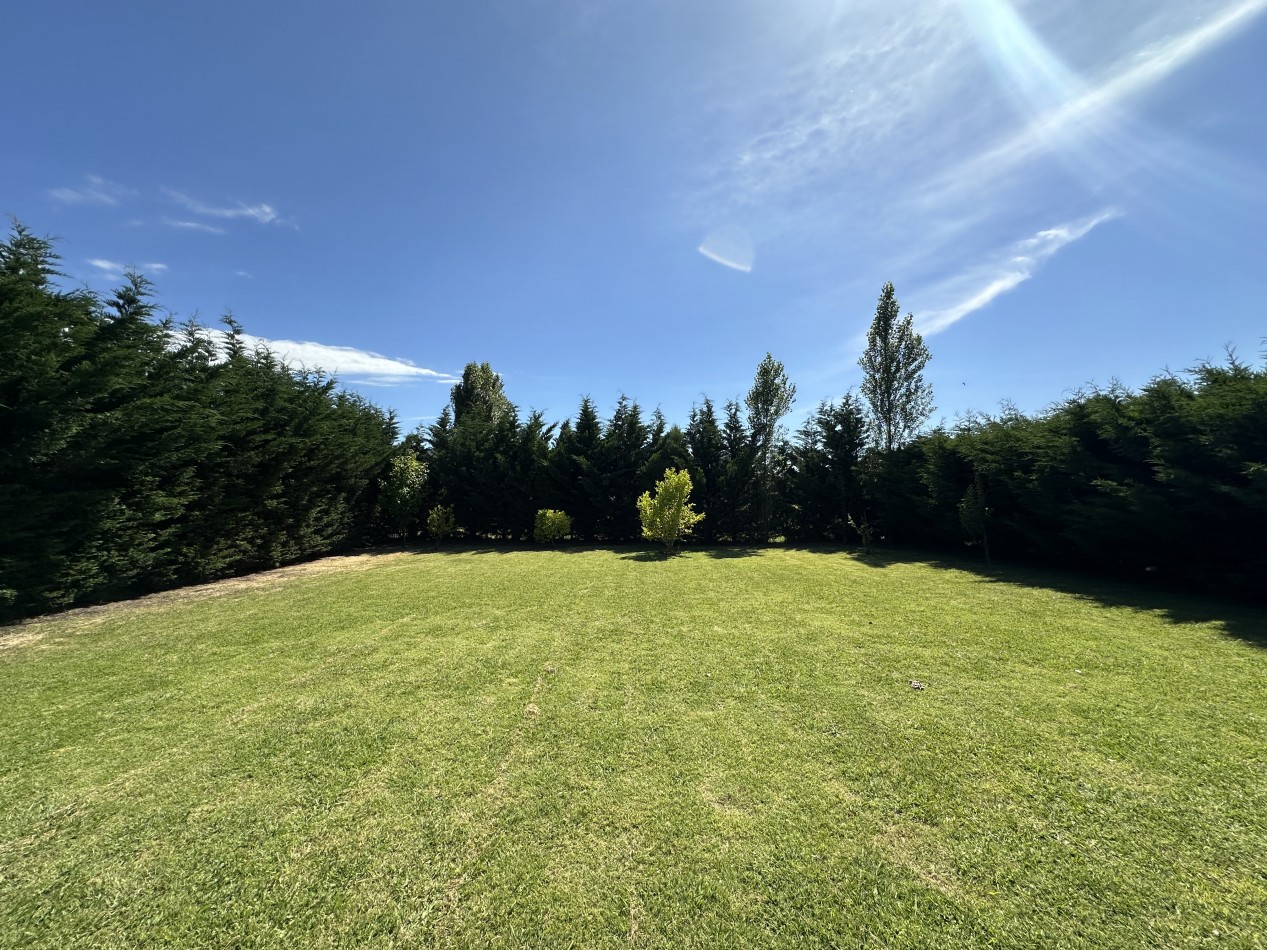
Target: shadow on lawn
{"points": [[1240, 619], [626, 552], [647, 556], [658, 554], [724, 553]]}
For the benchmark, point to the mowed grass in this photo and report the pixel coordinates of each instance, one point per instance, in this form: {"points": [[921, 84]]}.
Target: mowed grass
{"points": [[598, 748]]}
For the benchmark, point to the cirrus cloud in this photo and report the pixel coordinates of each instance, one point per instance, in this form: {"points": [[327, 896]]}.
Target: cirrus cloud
{"points": [[348, 363], [976, 288], [261, 213], [114, 269], [94, 191]]}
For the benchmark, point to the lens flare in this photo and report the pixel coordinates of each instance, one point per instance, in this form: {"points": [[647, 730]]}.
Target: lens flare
{"points": [[731, 247], [1084, 124]]}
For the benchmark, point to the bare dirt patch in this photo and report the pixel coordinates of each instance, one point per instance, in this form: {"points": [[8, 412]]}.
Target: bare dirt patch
{"points": [[914, 848], [732, 801], [19, 636], [28, 632]]}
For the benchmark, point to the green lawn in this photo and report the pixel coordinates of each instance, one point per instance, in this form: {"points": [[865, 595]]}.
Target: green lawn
{"points": [[600, 748]]}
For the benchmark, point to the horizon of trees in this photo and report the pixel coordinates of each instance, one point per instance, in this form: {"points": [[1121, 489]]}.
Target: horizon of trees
{"points": [[1167, 483], [138, 455]]}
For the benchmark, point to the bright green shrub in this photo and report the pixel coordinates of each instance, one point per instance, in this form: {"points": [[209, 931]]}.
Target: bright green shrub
{"points": [[440, 522], [551, 526], [668, 515]]}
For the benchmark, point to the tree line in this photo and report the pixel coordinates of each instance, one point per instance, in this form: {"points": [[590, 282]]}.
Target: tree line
{"points": [[1167, 483], [137, 455], [495, 470]]}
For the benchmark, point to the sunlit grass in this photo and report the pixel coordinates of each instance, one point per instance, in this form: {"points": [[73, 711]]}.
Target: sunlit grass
{"points": [[600, 748]]}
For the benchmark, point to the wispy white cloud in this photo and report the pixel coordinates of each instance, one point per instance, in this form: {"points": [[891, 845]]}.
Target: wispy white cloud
{"points": [[242, 273], [968, 292], [263, 213], [114, 269], [194, 226], [836, 112], [95, 191], [348, 363]]}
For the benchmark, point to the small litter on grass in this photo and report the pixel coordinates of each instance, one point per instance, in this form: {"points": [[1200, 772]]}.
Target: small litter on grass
{"points": [[916, 684], [551, 668]]}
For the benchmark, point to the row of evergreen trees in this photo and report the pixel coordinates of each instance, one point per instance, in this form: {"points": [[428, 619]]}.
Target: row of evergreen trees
{"points": [[1168, 483], [497, 470], [136, 456]]}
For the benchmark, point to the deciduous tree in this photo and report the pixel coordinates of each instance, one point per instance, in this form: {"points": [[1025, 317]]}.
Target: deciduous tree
{"points": [[768, 401], [893, 375], [403, 492]]}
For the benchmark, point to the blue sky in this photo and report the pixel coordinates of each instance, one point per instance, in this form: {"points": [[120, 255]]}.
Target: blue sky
{"points": [[604, 197]]}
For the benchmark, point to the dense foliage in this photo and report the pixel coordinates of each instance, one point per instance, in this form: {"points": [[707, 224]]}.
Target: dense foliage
{"points": [[1168, 482], [136, 456]]}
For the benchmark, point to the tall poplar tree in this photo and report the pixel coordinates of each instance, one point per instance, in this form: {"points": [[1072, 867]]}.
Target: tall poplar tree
{"points": [[768, 401], [893, 375], [479, 393]]}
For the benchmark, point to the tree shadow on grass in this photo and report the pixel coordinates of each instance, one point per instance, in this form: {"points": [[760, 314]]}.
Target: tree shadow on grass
{"points": [[723, 553], [876, 557], [659, 554], [645, 556], [484, 546], [1241, 620], [626, 552]]}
